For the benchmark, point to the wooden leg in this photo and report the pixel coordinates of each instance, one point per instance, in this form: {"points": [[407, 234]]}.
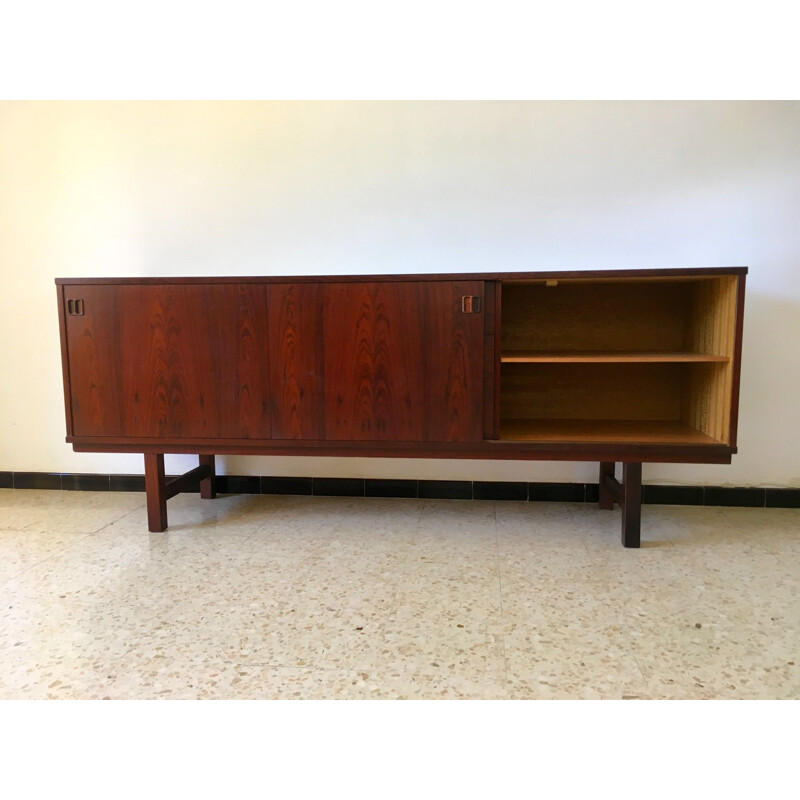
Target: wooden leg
{"points": [[207, 491], [631, 504], [156, 488], [606, 500]]}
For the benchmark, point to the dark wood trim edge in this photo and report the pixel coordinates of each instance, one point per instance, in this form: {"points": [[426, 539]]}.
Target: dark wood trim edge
{"points": [[438, 276], [737, 361], [62, 325]]}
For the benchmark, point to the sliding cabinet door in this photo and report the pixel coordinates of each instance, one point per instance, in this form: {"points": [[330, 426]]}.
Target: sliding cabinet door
{"points": [[403, 361], [171, 361]]}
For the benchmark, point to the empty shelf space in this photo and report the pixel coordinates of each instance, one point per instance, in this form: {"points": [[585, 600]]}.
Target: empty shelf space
{"points": [[602, 430], [608, 357]]}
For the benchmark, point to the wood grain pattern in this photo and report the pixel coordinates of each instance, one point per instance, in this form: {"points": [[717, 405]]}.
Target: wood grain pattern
{"points": [[373, 375], [712, 329], [194, 359], [402, 362], [180, 416], [96, 395], [602, 430], [170, 361], [621, 315], [592, 391], [296, 361], [452, 354]]}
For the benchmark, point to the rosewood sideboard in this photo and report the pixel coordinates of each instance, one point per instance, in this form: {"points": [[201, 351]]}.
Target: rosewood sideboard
{"points": [[613, 367]]}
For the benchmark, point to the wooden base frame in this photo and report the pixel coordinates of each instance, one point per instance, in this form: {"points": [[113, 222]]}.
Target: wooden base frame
{"points": [[627, 495], [159, 489]]}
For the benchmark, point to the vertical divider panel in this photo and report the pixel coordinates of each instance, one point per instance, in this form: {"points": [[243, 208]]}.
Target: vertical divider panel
{"points": [[491, 360]]}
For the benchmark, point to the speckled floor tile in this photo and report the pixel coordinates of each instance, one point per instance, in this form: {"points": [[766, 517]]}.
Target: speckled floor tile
{"points": [[162, 677], [372, 598], [22, 549], [64, 512], [437, 678], [258, 682], [755, 662], [235, 514]]}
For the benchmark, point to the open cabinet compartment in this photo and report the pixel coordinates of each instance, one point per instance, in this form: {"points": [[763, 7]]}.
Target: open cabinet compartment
{"points": [[646, 360]]}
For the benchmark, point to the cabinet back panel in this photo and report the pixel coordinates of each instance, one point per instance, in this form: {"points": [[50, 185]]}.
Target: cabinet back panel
{"points": [[592, 391], [604, 316]]}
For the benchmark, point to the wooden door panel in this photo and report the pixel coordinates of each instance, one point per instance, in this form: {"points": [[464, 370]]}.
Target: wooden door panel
{"points": [[453, 357], [93, 352], [296, 361], [373, 367], [185, 361], [403, 362]]}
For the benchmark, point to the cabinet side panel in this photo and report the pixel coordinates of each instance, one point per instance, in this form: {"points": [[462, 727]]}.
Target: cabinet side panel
{"points": [[454, 361], [296, 361], [737, 360], [93, 354], [712, 329], [62, 328]]}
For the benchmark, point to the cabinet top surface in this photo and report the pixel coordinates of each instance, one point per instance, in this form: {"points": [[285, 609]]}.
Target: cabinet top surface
{"points": [[683, 272]]}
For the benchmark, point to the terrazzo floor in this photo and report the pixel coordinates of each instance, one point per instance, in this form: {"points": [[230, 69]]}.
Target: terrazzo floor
{"points": [[296, 597]]}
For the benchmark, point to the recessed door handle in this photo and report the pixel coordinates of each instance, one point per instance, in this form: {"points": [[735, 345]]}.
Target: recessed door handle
{"points": [[471, 304]]}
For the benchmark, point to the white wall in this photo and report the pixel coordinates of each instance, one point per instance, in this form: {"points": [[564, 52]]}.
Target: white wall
{"points": [[278, 188]]}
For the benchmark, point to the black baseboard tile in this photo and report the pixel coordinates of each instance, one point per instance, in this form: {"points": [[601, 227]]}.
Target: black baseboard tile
{"points": [[735, 496], [557, 492], [126, 483], [673, 495], [77, 482], [377, 487], [445, 490], [783, 498], [499, 490], [37, 480], [237, 484], [280, 485], [753, 497], [338, 487]]}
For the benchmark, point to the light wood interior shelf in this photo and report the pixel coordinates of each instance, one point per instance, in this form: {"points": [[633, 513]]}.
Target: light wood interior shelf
{"points": [[602, 431], [608, 357], [636, 361]]}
